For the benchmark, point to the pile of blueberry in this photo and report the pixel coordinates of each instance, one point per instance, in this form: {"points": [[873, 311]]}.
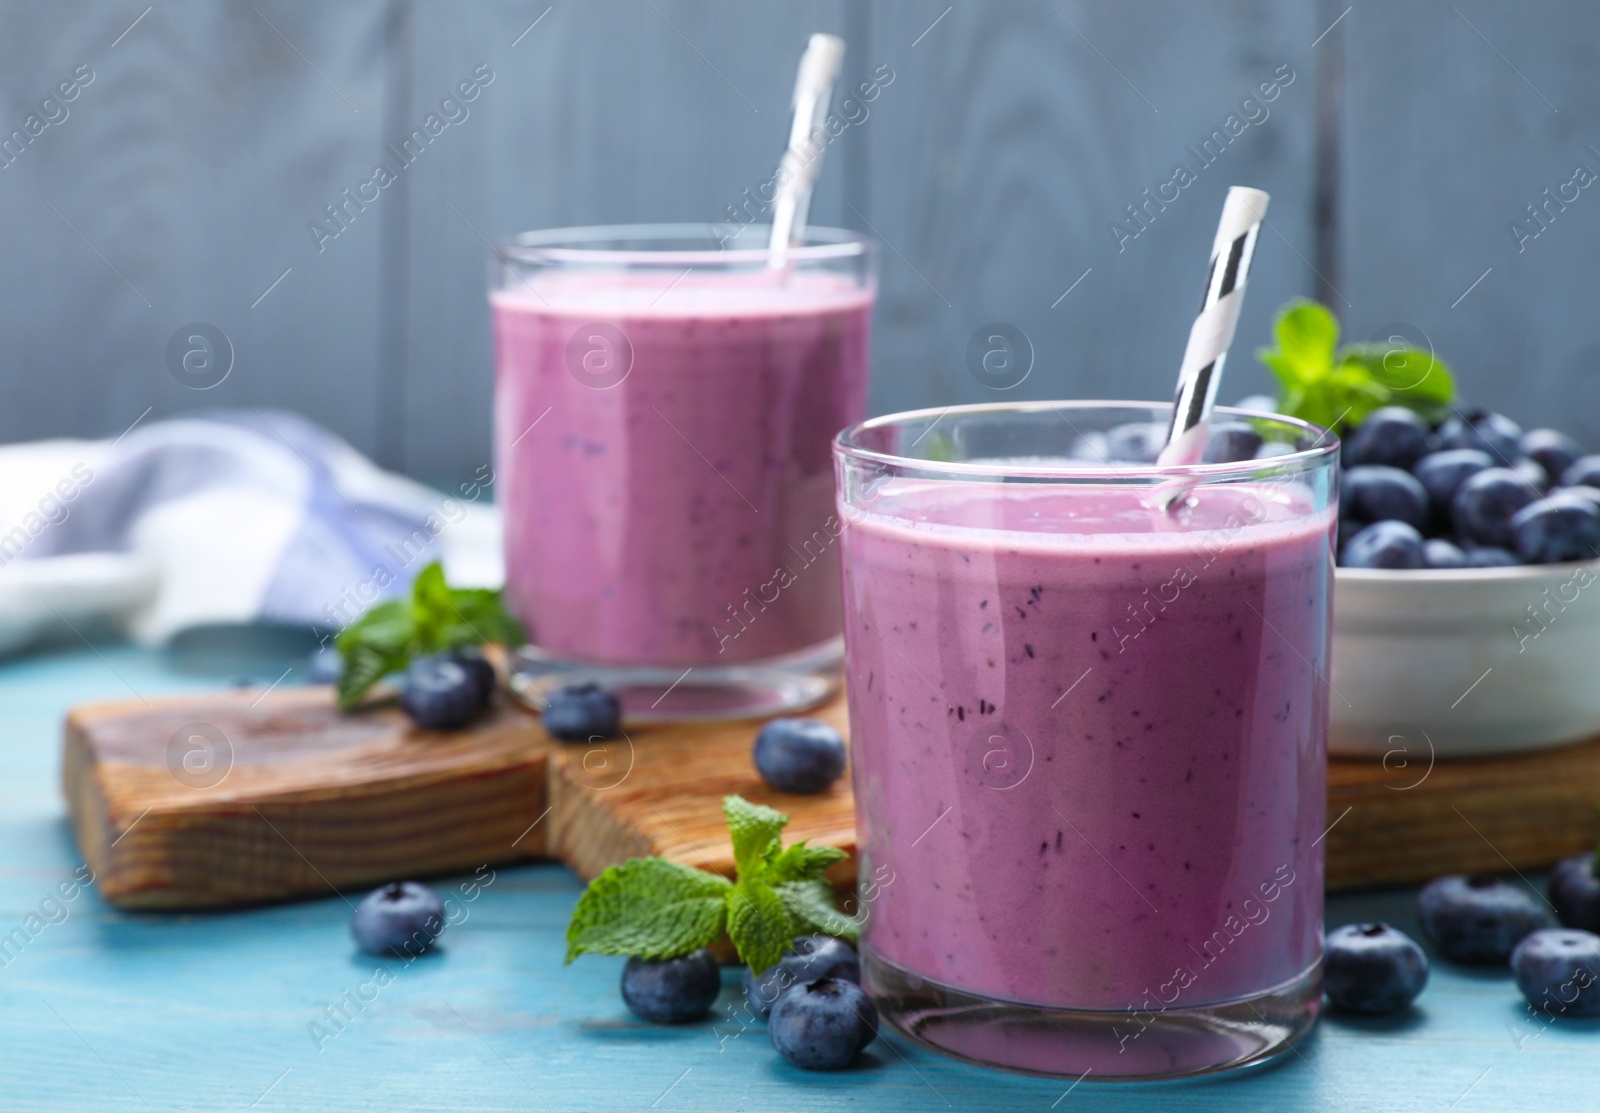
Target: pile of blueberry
{"points": [[1480, 921], [817, 1016], [1475, 492]]}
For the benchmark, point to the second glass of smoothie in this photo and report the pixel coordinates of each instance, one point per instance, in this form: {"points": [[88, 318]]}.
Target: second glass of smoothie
{"points": [[664, 404], [1088, 737]]}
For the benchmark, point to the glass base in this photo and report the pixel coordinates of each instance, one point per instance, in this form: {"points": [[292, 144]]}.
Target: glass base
{"points": [[651, 694], [1092, 1044]]}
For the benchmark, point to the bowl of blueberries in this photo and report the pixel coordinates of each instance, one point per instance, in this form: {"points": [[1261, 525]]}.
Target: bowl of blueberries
{"points": [[1461, 620]]}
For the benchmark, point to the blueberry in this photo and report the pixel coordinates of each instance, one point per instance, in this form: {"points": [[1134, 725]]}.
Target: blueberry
{"points": [[799, 755], [1557, 970], [439, 694], [1441, 473], [1532, 473], [1393, 436], [1139, 443], [1583, 472], [1557, 528], [1259, 403], [1439, 553], [582, 713], [1485, 504], [1228, 441], [813, 957], [1377, 493], [1347, 529], [479, 669], [1555, 451], [671, 990], [1384, 545], [1575, 892], [1487, 556], [1590, 493], [823, 1025], [401, 918], [1477, 919], [1499, 436], [1372, 968]]}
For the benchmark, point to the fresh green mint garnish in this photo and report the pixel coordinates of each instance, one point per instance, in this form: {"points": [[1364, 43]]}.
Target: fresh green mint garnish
{"points": [[652, 908], [1336, 387], [437, 616]]}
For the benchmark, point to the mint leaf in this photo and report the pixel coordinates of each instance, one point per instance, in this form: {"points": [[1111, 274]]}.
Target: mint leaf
{"points": [[654, 908], [759, 923], [480, 616], [373, 646], [1307, 334], [648, 907], [802, 862], [430, 608], [446, 617], [386, 626], [436, 617], [364, 666], [1415, 378], [1344, 396], [755, 830], [812, 905], [941, 448], [1339, 389]]}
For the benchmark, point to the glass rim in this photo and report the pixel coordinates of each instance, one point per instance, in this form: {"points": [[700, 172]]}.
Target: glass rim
{"points": [[847, 446], [555, 245]]}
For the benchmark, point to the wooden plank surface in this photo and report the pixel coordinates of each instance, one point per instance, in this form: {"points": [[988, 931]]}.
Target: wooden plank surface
{"points": [[1012, 140], [178, 189], [114, 1010], [1453, 120]]}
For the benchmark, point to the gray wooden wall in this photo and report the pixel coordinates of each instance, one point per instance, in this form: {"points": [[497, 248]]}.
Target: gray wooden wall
{"points": [[178, 186]]}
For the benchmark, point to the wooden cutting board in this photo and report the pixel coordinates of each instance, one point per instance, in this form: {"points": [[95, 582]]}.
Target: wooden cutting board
{"points": [[244, 797]]}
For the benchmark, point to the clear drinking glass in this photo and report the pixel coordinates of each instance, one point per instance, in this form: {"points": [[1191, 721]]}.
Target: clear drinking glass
{"points": [[664, 404], [1088, 734]]}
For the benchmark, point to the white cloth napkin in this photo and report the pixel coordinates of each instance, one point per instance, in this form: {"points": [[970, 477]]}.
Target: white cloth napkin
{"points": [[232, 517]]}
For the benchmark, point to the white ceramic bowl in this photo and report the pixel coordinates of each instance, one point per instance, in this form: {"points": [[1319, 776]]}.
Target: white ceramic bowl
{"points": [[1466, 662]]}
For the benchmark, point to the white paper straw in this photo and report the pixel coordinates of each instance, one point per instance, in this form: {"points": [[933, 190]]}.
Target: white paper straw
{"points": [[1212, 331], [802, 159]]}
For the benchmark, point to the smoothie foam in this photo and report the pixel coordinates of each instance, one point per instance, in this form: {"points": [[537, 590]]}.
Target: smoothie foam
{"points": [[683, 516], [1089, 739]]}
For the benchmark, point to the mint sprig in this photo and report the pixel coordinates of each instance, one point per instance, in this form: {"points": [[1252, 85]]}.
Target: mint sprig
{"points": [[654, 908], [436, 617], [1337, 387]]}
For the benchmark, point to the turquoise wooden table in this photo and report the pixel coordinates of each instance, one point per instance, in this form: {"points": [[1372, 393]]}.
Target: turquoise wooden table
{"points": [[273, 1009]]}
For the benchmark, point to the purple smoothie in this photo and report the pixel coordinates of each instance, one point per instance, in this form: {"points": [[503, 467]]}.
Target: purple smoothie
{"points": [[683, 516], [1088, 744]]}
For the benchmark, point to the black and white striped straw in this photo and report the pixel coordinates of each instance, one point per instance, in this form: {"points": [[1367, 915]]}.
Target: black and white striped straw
{"points": [[1212, 332]]}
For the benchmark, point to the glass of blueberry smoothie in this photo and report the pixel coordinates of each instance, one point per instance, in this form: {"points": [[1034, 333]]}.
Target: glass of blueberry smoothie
{"points": [[1089, 726], [665, 397]]}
